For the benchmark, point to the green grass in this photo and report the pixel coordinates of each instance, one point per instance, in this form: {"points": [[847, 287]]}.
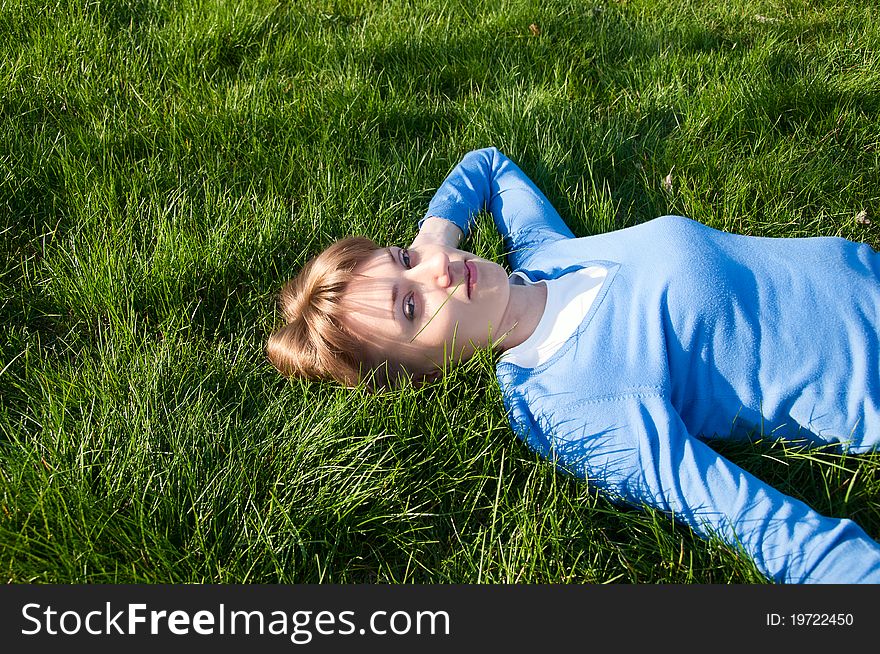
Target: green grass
{"points": [[164, 166]]}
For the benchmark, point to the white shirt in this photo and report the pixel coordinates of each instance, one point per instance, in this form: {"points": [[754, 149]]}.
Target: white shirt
{"points": [[569, 299]]}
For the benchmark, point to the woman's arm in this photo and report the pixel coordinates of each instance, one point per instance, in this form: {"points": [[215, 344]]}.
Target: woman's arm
{"points": [[787, 539], [638, 450], [486, 180]]}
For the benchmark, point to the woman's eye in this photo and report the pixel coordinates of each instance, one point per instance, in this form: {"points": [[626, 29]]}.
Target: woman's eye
{"points": [[409, 307], [404, 257]]}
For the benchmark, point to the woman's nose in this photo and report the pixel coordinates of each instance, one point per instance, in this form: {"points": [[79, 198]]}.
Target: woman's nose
{"points": [[437, 267]]}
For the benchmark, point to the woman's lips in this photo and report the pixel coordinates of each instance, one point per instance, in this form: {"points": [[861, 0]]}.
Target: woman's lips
{"points": [[472, 276]]}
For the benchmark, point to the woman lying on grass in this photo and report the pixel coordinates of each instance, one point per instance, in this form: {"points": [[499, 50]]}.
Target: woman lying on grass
{"points": [[621, 353]]}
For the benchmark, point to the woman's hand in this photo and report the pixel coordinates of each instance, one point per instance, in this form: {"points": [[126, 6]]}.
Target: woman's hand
{"points": [[438, 230]]}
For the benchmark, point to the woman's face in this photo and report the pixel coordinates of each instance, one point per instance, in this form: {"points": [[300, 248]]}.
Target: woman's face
{"points": [[426, 304]]}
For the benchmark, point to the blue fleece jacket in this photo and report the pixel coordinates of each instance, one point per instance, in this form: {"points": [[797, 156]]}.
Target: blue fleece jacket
{"points": [[695, 334]]}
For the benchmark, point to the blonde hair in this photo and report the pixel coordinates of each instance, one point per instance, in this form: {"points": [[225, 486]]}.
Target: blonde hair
{"points": [[314, 342]]}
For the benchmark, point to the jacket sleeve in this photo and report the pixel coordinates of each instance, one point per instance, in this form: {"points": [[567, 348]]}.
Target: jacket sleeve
{"points": [[638, 450], [486, 180]]}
